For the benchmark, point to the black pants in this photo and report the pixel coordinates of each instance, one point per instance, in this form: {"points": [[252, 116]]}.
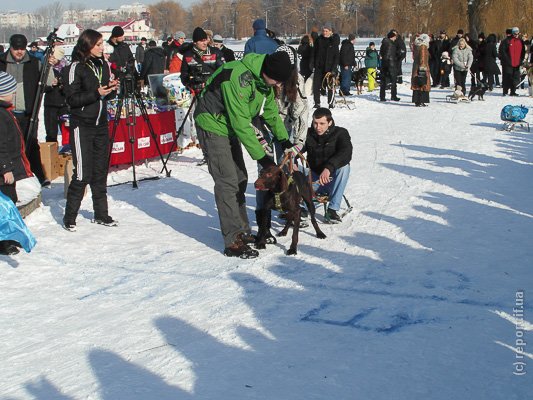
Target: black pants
{"points": [[510, 79], [32, 146], [460, 79], [388, 76], [90, 152], [317, 87], [10, 191], [51, 121]]}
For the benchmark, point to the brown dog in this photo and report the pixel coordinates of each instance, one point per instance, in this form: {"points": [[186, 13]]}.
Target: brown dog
{"points": [[284, 194]]}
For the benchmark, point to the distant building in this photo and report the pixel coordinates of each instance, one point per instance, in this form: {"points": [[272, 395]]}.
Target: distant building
{"points": [[134, 30], [69, 33], [21, 20]]}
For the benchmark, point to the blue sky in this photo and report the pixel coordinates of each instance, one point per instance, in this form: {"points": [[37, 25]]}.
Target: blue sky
{"points": [[29, 6]]}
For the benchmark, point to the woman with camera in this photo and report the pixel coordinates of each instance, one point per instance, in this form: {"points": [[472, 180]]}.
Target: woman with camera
{"points": [[88, 86]]}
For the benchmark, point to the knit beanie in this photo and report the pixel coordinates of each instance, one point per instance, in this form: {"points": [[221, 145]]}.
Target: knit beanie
{"points": [[117, 32], [8, 84], [259, 24], [218, 39], [328, 26], [290, 51], [179, 35], [198, 34], [278, 66]]}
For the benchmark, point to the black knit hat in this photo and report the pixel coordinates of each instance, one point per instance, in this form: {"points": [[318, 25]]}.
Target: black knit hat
{"points": [[198, 34], [117, 32], [278, 66], [18, 41]]}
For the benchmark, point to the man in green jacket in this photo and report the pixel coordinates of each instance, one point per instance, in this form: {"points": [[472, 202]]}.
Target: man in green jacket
{"points": [[235, 94]]}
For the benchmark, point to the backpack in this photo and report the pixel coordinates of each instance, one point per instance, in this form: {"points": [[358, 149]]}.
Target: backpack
{"points": [[513, 113]]}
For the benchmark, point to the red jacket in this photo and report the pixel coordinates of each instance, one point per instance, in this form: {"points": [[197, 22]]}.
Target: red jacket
{"points": [[515, 51]]}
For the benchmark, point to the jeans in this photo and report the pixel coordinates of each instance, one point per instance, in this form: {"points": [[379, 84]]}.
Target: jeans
{"points": [[335, 188], [346, 80]]}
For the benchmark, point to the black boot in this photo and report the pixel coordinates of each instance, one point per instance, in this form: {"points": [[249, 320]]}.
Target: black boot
{"points": [[263, 219], [270, 239]]}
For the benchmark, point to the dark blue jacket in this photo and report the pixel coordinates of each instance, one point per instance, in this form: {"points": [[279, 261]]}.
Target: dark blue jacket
{"points": [[260, 43]]}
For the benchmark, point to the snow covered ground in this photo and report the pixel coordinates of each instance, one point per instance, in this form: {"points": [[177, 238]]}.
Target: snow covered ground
{"points": [[411, 297]]}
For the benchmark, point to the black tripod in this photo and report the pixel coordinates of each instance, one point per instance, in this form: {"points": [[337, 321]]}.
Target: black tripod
{"points": [[129, 96], [180, 131], [43, 78]]}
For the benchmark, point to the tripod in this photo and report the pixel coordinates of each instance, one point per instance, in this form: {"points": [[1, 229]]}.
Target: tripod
{"points": [[128, 98], [180, 131], [43, 77]]}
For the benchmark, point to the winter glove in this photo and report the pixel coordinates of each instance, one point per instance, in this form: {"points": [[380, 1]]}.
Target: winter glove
{"points": [[266, 162], [288, 146]]}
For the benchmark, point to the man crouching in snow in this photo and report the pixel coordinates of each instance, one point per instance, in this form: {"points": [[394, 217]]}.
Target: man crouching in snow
{"points": [[235, 94], [329, 152]]}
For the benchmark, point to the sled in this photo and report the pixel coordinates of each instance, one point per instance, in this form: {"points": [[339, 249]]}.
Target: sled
{"points": [[511, 126]]}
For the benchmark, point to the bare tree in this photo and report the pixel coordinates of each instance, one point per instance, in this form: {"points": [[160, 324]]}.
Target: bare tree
{"points": [[168, 17], [52, 15]]}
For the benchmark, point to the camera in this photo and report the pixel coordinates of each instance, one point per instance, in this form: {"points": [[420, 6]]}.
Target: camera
{"points": [[198, 77], [128, 77]]}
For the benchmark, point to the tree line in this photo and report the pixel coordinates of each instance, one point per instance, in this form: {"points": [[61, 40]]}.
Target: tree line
{"points": [[233, 18]]}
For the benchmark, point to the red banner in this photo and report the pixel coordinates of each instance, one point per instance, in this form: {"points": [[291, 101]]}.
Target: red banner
{"points": [[164, 125]]}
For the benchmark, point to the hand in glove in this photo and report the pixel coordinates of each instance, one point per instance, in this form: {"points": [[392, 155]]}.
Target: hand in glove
{"points": [[288, 146]]}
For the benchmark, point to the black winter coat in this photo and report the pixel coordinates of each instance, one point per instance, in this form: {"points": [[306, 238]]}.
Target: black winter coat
{"points": [[332, 150], [209, 62], [326, 55], [81, 85], [347, 54], [154, 62], [305, 50], [388, 53], [10, 145], [229, 55], [491, 54], [31, 73], [122, 54]]}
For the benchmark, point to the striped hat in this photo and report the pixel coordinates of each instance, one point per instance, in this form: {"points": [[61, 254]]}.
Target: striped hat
{"points": [[8, 84]]}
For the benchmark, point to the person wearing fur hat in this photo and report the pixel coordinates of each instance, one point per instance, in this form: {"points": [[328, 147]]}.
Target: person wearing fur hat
{"points": [[420, 76], [234, 95], [462, 59], [122, 55], [260, 43]]}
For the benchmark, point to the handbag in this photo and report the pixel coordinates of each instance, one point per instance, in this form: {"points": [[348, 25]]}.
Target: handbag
{"points": [[421, 77]]}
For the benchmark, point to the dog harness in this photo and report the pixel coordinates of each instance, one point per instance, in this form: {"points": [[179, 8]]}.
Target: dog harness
{"points": [[277, 196]]}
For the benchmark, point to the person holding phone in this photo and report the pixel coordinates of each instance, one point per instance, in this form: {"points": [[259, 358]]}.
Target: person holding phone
{"points": [[88, 86]]}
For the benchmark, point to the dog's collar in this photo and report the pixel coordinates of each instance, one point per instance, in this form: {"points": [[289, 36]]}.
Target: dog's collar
{"points": [[277, 196]]}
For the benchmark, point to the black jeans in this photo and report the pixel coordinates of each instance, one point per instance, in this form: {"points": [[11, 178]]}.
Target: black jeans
{"points": [[32, 146]]}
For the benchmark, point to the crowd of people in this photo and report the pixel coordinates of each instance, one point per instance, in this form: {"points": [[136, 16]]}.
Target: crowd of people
{"points": [[259, 102]]}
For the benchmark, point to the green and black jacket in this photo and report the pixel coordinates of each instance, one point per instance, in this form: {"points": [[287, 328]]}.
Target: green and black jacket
{"points": [[234, 95]]}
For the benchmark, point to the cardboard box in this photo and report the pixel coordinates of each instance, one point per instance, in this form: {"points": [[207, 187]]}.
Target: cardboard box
{"points": [[62, 161], [49, 159]]}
